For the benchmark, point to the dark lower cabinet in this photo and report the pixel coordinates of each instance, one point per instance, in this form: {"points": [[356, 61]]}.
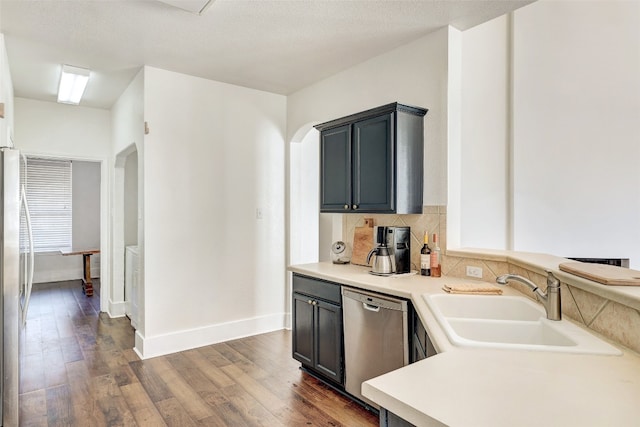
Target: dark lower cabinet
{"points": [[303, 328], [389, 419], [318, 335], [317, 327], [421, 345]]}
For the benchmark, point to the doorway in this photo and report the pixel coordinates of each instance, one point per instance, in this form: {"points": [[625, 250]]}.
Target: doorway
{"points": [[132, 253], [66, 203], [127, 293]]}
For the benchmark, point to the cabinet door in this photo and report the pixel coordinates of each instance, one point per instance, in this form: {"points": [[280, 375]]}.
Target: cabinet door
{"points": [[373, 164], [422, 347], [389, 419], [303, 325], [329, 340], [335, 169]]}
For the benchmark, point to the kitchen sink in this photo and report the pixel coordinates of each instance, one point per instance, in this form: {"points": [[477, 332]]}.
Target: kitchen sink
{"points": [[487, 307], [507, 332], [510, 322]]}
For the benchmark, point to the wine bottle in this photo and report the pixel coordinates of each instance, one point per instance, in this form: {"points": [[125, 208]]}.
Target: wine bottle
{"points": [[425, 257], [436, 269]]}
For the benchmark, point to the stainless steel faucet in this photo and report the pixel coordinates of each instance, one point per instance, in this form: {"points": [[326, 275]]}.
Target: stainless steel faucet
{"points": [[550, 300]]}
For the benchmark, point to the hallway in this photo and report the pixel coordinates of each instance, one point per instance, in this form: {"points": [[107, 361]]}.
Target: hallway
{"points": [[78, 369]]}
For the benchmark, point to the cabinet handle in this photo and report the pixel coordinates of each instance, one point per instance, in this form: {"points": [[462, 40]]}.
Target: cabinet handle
{"points": [[355, 207], [346, 207], [309, 302], [315, 303]]}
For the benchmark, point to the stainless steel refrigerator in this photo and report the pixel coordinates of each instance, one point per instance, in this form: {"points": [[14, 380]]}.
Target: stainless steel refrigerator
{"points": [[16, 277]]}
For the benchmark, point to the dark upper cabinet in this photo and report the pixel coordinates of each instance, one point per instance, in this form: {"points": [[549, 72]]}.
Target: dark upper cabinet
{"points": [[335, 161], [373, 161], [373, 165]]}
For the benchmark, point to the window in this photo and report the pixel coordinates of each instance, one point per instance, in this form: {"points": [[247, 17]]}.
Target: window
{"points": [[49, 193]]}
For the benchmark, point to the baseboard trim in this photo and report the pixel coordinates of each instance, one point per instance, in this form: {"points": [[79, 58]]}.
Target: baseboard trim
{"points": [[287, 321], [138, 347], [159, 345], [117, 309]]}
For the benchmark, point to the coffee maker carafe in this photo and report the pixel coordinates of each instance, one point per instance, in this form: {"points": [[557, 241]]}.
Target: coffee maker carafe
{"points": [[382, 261]]}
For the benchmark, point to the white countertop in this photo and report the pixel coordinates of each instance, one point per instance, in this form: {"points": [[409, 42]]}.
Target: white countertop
{"points": [[506, 388], [471, 387]]}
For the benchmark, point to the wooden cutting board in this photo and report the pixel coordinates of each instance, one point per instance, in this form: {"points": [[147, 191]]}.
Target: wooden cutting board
{"points": [[362, 242], [603, 273]]}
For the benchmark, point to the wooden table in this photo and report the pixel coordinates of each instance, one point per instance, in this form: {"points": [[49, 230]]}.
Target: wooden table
{"points": [[87, 284]]}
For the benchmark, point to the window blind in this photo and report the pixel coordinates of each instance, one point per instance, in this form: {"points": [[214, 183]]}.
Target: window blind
{"points": [[49, 194]]}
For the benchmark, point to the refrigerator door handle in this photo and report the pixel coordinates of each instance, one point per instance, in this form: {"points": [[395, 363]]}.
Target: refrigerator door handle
{"points": [[31, 258]]}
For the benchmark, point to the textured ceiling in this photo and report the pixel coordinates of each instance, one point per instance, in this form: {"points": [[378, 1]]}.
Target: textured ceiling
{"points": [[277, 46]]}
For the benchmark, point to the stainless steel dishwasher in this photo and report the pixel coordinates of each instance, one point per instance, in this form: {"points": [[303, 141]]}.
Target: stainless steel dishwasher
{"points": [[376, 338]]}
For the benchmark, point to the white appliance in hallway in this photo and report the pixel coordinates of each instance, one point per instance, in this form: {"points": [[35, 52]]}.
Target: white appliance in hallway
{"points": [[16, 277]]}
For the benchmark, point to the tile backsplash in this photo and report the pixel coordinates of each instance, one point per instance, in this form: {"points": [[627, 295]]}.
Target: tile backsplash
{"points": [[433, 219], [611, 319], [615, 321]]}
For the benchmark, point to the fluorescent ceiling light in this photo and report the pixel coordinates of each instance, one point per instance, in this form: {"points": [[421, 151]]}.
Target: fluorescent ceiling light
{"points": [[73, 81]]}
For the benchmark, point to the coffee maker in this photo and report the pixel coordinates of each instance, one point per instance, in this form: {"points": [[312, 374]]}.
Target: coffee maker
{"points": [[399, 244], [392, 250]]}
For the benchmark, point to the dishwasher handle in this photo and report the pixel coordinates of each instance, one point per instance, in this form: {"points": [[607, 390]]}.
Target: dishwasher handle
{"points": [[374, 308], [374, 301]]}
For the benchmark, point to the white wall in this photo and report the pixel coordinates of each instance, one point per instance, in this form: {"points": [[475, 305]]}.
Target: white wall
{"points": [[414, 74], [330, 229], [214, 154], [484, 153], [305, 203], [6, 97], [127, 125], [572, 120], [128, 117], [577, 129], [62, 130], [86, 205], [77, 133]]}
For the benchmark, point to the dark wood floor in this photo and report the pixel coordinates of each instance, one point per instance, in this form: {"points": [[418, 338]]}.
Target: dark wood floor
{"points": [[78, 369]]}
